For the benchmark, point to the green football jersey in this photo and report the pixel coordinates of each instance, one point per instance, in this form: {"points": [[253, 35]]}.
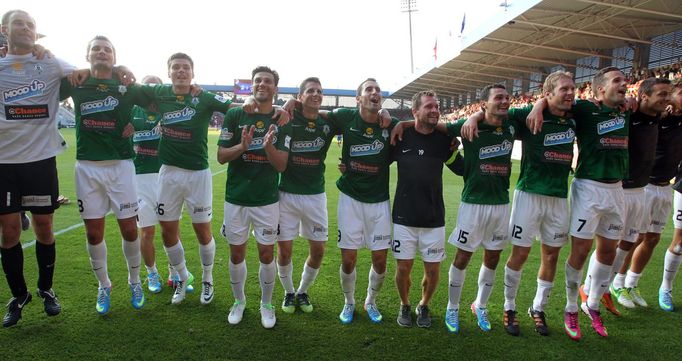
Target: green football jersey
{"points": [[487, 162], [310, 140], [102, 108], [602, 135], [184, 125], [547, 156], [366, 155], [251, 179], [146, 140]]}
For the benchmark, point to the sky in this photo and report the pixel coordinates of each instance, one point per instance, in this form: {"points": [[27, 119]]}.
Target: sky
{"points": [[341, 42]]}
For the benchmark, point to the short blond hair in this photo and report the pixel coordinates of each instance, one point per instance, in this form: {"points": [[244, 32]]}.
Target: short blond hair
{"points": [[552, 79]]}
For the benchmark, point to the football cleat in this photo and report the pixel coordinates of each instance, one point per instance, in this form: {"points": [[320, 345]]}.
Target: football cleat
{"points": [[14, 308], [571, 325], [622, 296], [50, 302], [289, 303], [236, 312], [137, 298], [607, 301], [373, 312], [540, 322], [267, 315], [206, 293], [595, 316], [665, 300], [181, 290], [511, 324], [452, 320], [103, 300], [481, 317], [346, 315], [405, 316], [637, 297], [154, 282], [304, 302], [423, 316]]}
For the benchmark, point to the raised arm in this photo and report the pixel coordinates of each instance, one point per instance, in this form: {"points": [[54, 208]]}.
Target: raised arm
{"points": [[228, 154]]}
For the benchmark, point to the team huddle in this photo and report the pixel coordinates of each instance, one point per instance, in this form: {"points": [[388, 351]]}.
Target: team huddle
{"points": [[142, 154]]}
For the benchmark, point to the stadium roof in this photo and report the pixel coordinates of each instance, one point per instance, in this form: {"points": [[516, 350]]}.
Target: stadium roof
{"points": [[545, 34]]}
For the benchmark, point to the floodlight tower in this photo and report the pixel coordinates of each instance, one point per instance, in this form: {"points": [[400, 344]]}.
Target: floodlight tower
{"points": [[409, 6]]}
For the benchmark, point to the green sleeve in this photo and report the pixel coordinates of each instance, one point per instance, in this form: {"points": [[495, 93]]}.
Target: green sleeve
{"points": [[216, 102], [583, 109], [394, 122], [517, 116], [228, 136], [455, 129], [141, 96], [284, 138], [339, 117], [65, 89]]}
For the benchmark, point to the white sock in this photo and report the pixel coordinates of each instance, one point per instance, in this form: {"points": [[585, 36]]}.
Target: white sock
{"points": [[374, 285], [617, 264], [285, 277], [542, 294], [573, 277], [176, 258], [307, 278], [172, 273], [151, 269], [486, 278], [237, 280], [131, 251], [632, 279], [619, 281], [512, 279], [601, 273], [348, 285], [455, 283], [266, 276], [98, 260], [671, 265], [588, 280], [207, 254]]}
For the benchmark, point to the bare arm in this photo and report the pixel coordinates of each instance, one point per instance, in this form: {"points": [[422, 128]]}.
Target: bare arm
{"points": [[229, 154]]}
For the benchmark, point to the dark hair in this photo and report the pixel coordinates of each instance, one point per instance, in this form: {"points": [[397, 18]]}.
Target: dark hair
{"points": [[180, 56], [485, 92], [363, 82], [265, 69], [103, 38], [312, 79], [598, 79], [647, 85], [417, 98]]}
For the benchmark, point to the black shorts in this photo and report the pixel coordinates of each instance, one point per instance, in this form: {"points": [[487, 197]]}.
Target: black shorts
{"points": [[29, 187]]}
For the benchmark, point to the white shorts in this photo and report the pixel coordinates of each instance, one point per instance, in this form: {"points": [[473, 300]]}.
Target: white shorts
{"points": [[147, 184], [304, 214], [429, 241], [194, 188], [633, 213], [363, 225], [596, 208], [481, 224], [658, 204], [103, 186], [677, 210], [536, 215], [238, 220]]}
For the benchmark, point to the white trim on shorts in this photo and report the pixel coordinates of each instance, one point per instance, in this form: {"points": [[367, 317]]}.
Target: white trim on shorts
{"points": [[537, 216], [363, 225], [103, 186], [304, 215], [430, 242]]}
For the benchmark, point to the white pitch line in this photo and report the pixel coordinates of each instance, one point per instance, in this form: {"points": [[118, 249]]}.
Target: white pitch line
{"points": [[77, 225]]}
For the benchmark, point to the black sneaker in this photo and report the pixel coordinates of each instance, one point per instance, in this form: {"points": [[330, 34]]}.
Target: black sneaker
{"points": [[304, 302], [405, 316], [289, 303], [14, 308], [511, 324], [25, 222], [50, 301], [539, 319], [423, 316]]}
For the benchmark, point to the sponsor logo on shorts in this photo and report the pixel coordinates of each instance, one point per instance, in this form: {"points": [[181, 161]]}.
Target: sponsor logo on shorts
{"points": [[610, 125], [269, 232], [613, 142], [496, 150], [657, 223], [35, 88], [499, 237], [360, 150], [380, 237], [226, 134], [145, 135], [202, 209], [615, 227], [566, 137], [551, 156], [36, 201], [129, 205], [319, 230], [494, 169], [560, 235], [430, 251], [633, 231], [304, 161], [98, 106], [18, 112], [178, 116], [307, 145]]}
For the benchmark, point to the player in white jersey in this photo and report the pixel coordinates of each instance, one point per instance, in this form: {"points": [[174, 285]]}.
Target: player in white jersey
{"points": [[29, 139]]}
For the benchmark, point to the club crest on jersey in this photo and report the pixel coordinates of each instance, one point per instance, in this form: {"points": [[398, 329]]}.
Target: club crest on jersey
{"points": [[325, 129], [384, 134], [38, 69], [178, 116], [308, 145], [220, 98], [122, 89], [566, 137], [98, 106], [496, 150], [195, 101], [610, 125], [366, 149], [35, 88]]}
